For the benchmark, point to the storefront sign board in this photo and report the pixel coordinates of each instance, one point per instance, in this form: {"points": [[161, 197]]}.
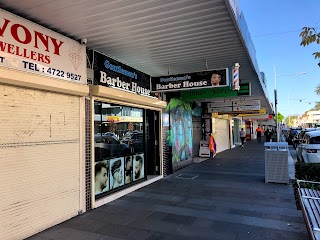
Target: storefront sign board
{"points": [[196, 80], [111, 73], [30, 47], [223, 92]]}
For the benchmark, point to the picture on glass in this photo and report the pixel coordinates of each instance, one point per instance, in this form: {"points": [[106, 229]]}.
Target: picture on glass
{"points": [[101, 177], [116, 172], [138, 166], [128, 169]]}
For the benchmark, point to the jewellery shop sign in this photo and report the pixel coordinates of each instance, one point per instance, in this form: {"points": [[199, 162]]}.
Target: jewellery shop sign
{"points": [[30, 47], [111, 73], [195, 80]]}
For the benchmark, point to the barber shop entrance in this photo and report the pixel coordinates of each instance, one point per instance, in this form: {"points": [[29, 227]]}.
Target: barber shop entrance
{"points": [[126, 128], [126, 143]]}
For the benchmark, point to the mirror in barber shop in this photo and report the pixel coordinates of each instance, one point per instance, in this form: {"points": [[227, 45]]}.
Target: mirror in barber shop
{"points": [[119, 147]]}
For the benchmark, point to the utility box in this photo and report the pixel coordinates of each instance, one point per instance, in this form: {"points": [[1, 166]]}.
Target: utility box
{"points": [[276, 162]]}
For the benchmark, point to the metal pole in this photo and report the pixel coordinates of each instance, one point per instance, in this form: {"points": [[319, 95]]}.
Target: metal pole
{"points": [[276, 103], [289, 111]]}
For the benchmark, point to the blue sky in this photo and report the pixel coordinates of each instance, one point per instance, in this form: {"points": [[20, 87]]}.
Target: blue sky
{"points": [[275, 26]]}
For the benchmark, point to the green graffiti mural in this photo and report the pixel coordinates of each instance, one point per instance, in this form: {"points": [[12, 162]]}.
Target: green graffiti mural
{"points": [[181, 130]]}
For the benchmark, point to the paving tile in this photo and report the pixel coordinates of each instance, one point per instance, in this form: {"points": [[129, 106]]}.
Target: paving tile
{"points": [[83, 224], [155, 225], [139, 205], [246, 213], [273, 224], [156, 215], [202, 202], [36, 237], [139, 234], [63, 233], [203, 223], [166, 236], [201, 214], [115, 230], [179, 219], [205, 233]]}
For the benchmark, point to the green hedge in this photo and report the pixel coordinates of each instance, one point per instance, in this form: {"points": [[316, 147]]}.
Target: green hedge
{"points": [[308, 172]]}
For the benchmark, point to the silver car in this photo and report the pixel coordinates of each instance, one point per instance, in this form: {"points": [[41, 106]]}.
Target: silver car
{"points": [[311, 147], [299, 144]]}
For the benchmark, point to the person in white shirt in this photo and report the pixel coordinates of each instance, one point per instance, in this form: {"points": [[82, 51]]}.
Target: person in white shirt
{"points": [[242, 136]]}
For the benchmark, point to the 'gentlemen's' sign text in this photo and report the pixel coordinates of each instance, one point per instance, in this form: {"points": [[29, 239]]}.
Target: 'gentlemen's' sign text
{"points": [[111, 73]]}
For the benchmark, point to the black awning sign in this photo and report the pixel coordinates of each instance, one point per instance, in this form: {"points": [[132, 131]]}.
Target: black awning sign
{"points": [[196, 80]]}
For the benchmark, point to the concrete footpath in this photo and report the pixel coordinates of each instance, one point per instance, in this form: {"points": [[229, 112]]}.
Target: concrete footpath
{"points": [[222, 198]]}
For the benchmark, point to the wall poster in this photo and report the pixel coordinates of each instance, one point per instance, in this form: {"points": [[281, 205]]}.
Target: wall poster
{"points": [[181, 131], [138, 166], [101, 177], [128, 169], [116, 172]]}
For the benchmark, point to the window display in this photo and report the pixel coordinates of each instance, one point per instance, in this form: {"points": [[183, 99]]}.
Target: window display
{"points": [[119, 147]]}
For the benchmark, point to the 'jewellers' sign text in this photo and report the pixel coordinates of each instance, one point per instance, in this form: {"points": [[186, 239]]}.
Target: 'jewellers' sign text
{"points": [[30, 47]]}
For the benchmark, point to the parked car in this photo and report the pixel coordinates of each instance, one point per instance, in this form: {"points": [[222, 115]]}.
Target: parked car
{"points": [[109, 146], [135, 140], [300, 141], [311, 147], [291, 133]]}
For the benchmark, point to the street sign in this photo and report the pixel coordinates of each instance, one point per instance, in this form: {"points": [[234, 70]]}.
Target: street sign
{"points": [[219, 109], [220, 104], [246, 108], [247, 103], [262, 111]]}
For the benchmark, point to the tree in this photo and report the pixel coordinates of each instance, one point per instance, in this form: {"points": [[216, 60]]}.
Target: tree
{"points": [[280, 117], [317, 106], [317, 91], [292, 120], [310, 35]]}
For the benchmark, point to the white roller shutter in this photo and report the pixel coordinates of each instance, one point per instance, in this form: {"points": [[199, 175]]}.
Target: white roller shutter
{"points": [[39, 160], [222, 134]]}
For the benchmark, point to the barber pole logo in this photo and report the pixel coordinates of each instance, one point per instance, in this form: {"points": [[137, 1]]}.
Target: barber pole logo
{"points": [[235, 84]]}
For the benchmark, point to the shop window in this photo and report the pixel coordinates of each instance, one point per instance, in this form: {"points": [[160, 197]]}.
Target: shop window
{"points": [[119, 147]]}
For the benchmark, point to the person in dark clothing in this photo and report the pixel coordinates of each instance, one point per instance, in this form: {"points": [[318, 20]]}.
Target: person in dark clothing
{"points": [[268, 134]]}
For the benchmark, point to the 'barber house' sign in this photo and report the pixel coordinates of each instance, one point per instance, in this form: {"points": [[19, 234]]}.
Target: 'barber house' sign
{"points": [[111, 73]]}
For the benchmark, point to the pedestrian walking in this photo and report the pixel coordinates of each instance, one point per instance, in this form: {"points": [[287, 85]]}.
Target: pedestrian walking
{"points": [[212, 146], [242, 137], [268, 134], [259, 132]]}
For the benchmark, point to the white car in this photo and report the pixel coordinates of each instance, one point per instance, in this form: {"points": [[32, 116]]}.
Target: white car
{"points": [[299, 143], [311, 147]]}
